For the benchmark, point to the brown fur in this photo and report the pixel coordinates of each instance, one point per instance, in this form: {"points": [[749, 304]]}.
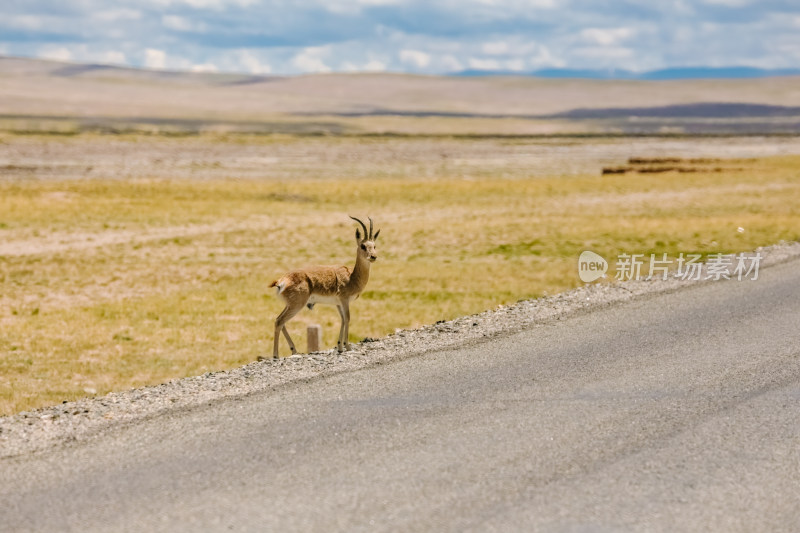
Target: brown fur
{"points": [[332, 285]]}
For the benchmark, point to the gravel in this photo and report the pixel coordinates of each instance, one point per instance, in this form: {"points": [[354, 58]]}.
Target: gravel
{"points": [[43, 428]]}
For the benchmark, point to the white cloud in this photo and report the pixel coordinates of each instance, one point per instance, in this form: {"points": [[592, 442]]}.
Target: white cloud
{"points": [[520, 4], [515, 64], [791, 50], [415, 36], [116, 15], [216, 4], [495, 48], [451, 63], [156, 59], [310, 60], [25, 22], [205, 4], [545, 58], [350, 7], [82, 53], [729, 3], [484, 64], [174, 22], [205, 67], [606, 36], [112, 57], [56, 53], [607, 53], [252, 63], [374, 66], [415, 57]]}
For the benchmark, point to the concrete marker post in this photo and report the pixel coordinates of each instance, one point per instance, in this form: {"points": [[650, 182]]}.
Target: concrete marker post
{"points": [[314, 332]]}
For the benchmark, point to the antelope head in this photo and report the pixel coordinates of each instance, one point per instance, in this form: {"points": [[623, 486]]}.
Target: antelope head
{"points": [[366, 242]]}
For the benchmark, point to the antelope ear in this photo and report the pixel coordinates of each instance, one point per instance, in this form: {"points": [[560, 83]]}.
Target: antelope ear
{"points": [[358, 235], [375, 238]]}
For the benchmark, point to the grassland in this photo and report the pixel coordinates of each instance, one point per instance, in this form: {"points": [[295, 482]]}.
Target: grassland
{"points": [[127, 261]]}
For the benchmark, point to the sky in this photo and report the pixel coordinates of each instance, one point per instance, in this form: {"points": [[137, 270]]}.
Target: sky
{"points": [[415, 36]]}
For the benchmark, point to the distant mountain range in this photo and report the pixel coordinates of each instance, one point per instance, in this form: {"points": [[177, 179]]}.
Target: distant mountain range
{"points": [[68, 69], [676, 73]]}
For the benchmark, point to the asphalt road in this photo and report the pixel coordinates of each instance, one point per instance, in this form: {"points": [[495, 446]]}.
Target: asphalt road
{"points": [[678, 412]]}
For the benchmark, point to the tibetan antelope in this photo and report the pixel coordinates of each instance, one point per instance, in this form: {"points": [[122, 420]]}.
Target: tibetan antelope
{"points": [[332, 285]]}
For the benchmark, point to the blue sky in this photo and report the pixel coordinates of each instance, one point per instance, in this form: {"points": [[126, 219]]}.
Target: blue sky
{"points": [[421, 36]]}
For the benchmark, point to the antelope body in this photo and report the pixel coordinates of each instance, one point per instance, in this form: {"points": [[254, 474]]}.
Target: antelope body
{"points": [[330, 285]]}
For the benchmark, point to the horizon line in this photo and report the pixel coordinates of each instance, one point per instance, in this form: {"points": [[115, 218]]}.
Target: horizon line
{"points": [[611, 74]]}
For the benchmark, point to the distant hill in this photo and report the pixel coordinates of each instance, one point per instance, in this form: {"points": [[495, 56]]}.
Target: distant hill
{"points": [[52, 96], [676, 73]]}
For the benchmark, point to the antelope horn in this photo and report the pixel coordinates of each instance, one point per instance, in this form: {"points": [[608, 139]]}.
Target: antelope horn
{"points": [[370, 228], [362, 225]]}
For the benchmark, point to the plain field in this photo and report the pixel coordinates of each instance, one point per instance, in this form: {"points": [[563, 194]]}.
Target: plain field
{"points": [[131, 260], [143, 214]]}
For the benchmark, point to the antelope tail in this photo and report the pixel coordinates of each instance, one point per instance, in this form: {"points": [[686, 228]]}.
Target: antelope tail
{"points": [[280, 284]]}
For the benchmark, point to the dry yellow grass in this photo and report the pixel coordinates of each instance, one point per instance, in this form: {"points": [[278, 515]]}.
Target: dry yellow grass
{"points": [[145, 268]]}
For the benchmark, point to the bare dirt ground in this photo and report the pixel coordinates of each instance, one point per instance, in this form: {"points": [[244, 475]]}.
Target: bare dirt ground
{"points": [[211, 156]]}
